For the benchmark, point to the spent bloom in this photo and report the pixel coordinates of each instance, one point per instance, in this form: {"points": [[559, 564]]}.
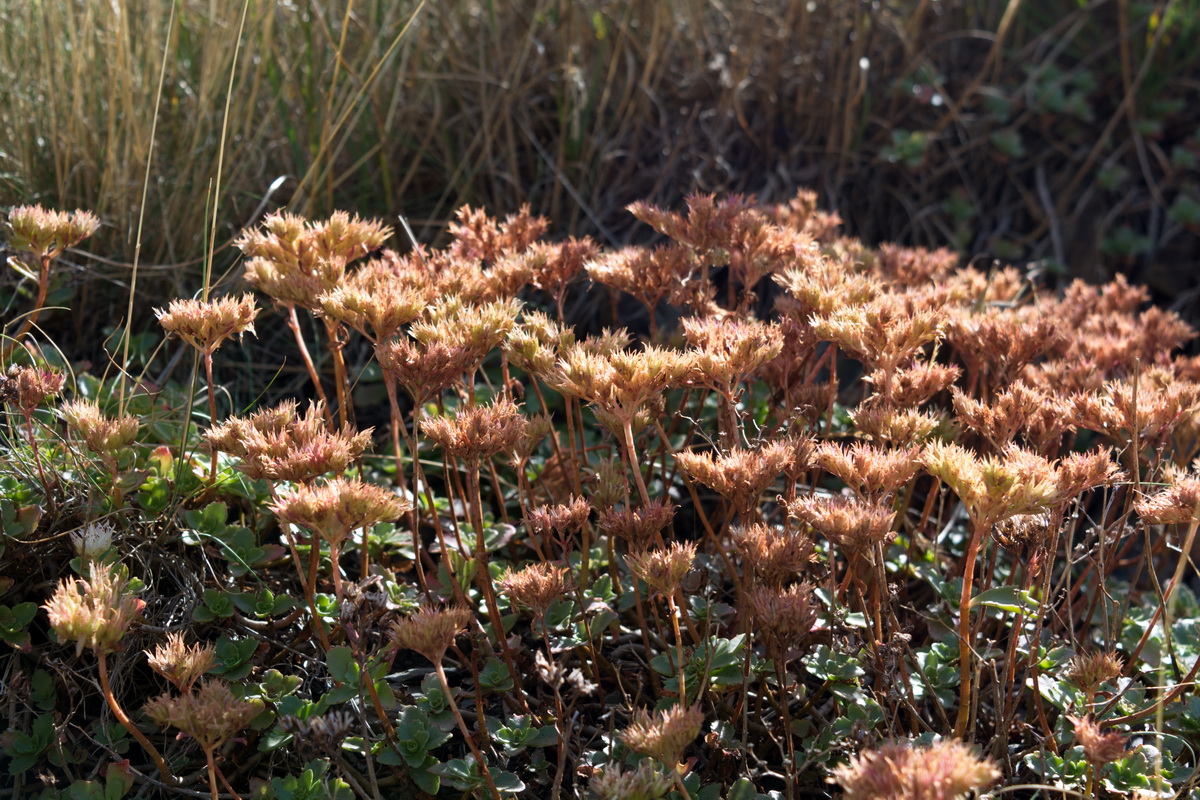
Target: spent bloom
{"points": [[102, 434], [740, 475], [281, 445], [29, 387], [535, 587], [478, 432], [1099, 747], [1014, 482], [1089, 671], [206, 325], [665, 568], [774, 555], [94, 612], [847, 522], [335, 509], [664, 735], [211, 715], [645, 782], [784, 618], [430, 631], [1178, 503], [945, 770], [47, 233], [638, 526], [179, 663]]}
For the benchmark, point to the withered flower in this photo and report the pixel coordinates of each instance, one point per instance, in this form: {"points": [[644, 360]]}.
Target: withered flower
{"points": [[663, 569], [784, 618], [1014, 482], [665, 735], [206, 325], [179, 663], [280, 445], [1099, 747], [638, 526], [741, 475], [868, 470], [29, 387], [1177, 504], [561, 521], [211, 714], [1090, 671], [47, 233], [333, 510], [478, 432], [535, 587], [774, 555], [852, 525], [945, 770], [430, 631], [103, 435], [644, 782]]}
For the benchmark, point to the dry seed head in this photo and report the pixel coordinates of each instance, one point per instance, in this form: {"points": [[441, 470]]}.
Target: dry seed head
{"points": [[560, 263], [534, 345], [103, 435], [1154, 406], [663, 569], [1014, 482], [644, 782], [425, 370], [913, 266], [665, 735], [945, 770], [849, 523], [783, 617], [1000, 342], [47, 233], [430, 631], [649, 274], [480, 328], [479, 237], [379, 298], [206, 325], [94, 612], [619, 382], [279, 445], [563, 520], [478, 432], [1040, 418], [638, 526], [335, 509], [1081, 472], [869, 470], [741, 475], [535, 587], [1177, 504], [899, 427], [728, 351], [211, 715], [774, 555], [1090, 671], [880, 334], [1100, 748], [181, 664], [913, 385], [29, 387]]}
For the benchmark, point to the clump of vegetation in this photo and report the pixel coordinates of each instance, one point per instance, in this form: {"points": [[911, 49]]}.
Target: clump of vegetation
{"points": [[834, 517]]}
